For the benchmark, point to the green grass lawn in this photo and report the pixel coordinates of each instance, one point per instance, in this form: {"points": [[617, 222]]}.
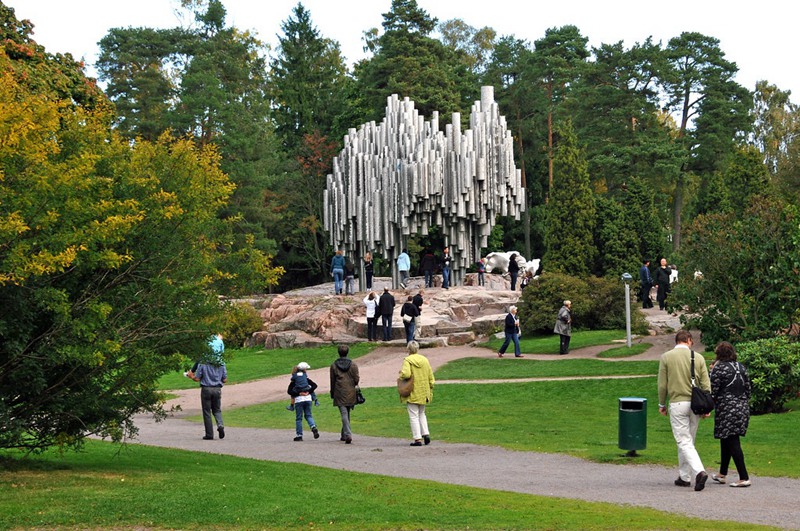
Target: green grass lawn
{"points": [[550, 344], [249, 364], [493, 369], [579, 418], [625, 352], [153, 488]]}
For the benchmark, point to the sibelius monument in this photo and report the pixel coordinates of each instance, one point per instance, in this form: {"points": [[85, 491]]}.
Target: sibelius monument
{"points": [[402, 176]]}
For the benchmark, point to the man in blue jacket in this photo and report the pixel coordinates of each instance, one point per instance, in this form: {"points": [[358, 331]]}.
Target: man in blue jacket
{"points": [[403, 266], [212, 376]]}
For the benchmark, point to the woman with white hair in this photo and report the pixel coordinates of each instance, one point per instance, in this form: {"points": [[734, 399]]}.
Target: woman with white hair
{"points": [[512, 333], [418, 367], [564, 326]]}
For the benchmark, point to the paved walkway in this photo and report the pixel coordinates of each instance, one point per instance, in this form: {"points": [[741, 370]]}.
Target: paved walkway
{"points": [[771, 501]]}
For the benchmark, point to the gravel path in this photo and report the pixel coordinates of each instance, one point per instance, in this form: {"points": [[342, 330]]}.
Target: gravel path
{"points": [[770, 501]]}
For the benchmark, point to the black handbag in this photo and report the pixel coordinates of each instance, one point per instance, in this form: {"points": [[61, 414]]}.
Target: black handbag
{"points": [[359, 397], [702, 403]]}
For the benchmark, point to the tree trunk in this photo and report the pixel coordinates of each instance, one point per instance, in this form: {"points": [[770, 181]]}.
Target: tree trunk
{"points": [[549, 154], [527, 227], [677, 210], [549, 141]]}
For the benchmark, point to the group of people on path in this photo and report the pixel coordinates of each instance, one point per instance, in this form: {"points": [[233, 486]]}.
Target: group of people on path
{"points": [[512, 331], [729, 385], [416, 367], [680, 369], [383, 307], [663, 278], [212, 374]]}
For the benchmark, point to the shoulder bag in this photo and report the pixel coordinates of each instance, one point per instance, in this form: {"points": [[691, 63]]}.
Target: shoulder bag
{"points": [[359, 396], [405, 386], [702, 403]]}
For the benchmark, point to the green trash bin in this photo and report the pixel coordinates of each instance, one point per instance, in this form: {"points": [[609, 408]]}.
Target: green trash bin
{"points": [[632, 424]]}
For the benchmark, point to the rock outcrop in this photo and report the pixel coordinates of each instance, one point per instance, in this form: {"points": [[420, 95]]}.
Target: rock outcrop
{"points": [[315, 316]]}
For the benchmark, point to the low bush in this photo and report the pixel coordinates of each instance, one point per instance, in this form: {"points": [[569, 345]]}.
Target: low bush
{"points": [[239, 322], [774, 369], [543, 297], [597, 304]]}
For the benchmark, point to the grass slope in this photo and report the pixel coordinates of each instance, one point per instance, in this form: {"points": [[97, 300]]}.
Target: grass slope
{"points": [[250, 364], [153, 488]]}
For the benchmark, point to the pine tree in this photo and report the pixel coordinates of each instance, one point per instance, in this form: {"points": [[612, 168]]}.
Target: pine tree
{"points": [[307, 81], [570, 210], [410, 63]]}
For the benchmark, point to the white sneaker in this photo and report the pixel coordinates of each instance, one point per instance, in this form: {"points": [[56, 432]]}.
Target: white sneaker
{"points": [[741, 483], [719, 478]]}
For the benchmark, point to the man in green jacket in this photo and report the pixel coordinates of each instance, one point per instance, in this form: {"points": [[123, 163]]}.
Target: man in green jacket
{"points": [[675, 383]]}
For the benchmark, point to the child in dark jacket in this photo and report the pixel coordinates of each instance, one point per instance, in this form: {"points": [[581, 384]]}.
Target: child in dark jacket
{"points": [[300, 383], [301, 389]]}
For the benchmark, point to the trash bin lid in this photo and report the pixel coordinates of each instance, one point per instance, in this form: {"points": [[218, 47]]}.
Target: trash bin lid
{"points": [[632, 403]]}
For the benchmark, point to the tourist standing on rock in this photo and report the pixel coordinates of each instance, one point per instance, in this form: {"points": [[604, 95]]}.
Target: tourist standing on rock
{"points": [[512, 333], [481, 267], [337, 270], [403, 267], [344, 379], [675, 383], [301, 389], [563, 326], [527, 276], [369, 269], [730, 387], [212, 375], [349, 277], [409, 313], [647, 283], [418, 302], [663, 274], [513, 270], [371, 303], [428, 267], [447, 261], [386, 309], [418, 367]]}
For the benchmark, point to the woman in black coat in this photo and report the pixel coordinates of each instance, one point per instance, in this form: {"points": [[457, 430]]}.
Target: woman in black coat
{"points": [[513, 270], [730, 387], [409, 312]]}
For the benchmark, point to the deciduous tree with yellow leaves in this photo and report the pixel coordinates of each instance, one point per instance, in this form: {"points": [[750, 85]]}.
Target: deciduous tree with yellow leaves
{"points": [[112, 255]]}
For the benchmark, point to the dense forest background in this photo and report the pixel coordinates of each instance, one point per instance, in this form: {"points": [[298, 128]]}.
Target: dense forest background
{"points": [[620, 147]]}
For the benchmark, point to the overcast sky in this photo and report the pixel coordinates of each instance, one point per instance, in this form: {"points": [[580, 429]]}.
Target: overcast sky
{"points": [[760, 37]]}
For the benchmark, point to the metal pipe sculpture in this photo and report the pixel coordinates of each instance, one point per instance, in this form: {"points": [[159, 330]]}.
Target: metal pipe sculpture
{"points": [[403, 176]]}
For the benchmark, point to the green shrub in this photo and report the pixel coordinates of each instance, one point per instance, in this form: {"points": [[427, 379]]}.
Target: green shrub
{"points": [[239, 322], [607, 308], [774, 368], [545, 295], [597, 304]]}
